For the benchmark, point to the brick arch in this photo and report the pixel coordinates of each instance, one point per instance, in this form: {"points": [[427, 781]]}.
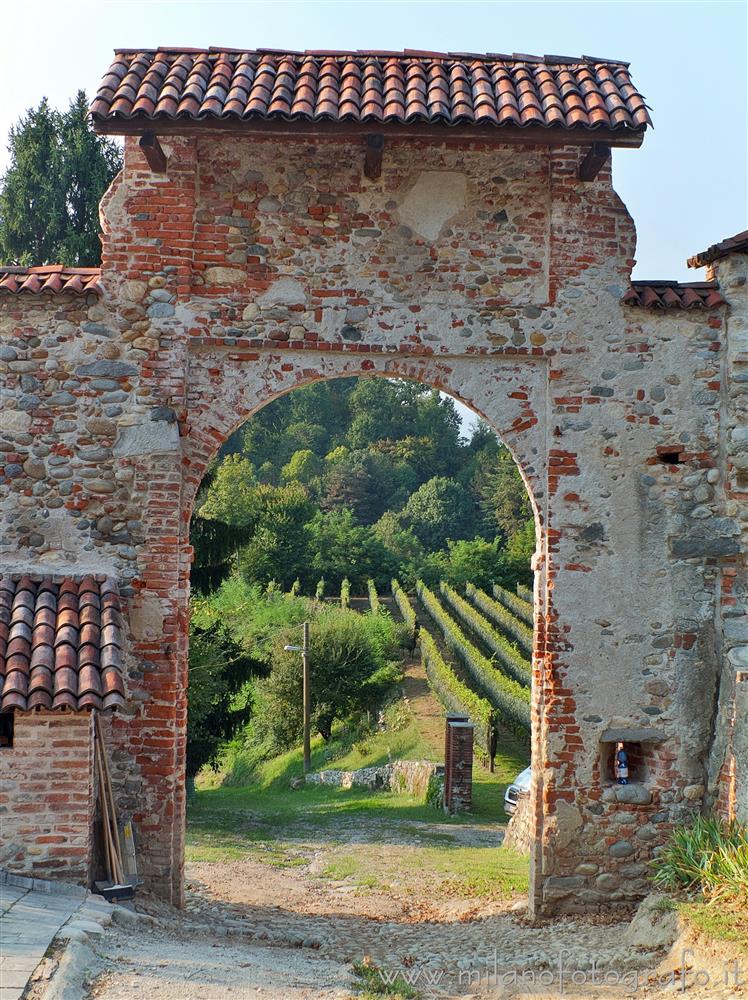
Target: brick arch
{"points": [[509, 395]]}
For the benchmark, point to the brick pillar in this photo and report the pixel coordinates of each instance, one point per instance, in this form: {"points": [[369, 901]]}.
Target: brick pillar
{"points": [[458, 765]]}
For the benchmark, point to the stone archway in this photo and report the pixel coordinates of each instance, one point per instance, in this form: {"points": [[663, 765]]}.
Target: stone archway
{"points": [[510, 397], [243, 257]]}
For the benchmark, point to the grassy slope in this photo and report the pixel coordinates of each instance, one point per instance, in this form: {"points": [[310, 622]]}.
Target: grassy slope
{"points": [[265, 820]]}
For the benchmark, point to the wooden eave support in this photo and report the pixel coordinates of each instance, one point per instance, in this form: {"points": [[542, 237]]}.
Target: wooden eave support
{"points": [[373, 158], [420, 131], [597, 156], [153, 152]]}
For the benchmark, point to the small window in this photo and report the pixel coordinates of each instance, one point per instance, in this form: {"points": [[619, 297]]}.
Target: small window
{"points": [[6, 730], [633, 760]]}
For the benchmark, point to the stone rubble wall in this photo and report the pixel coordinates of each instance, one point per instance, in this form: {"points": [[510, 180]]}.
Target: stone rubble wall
{"points": [[408, 776], [489, 272], [520, 831]]}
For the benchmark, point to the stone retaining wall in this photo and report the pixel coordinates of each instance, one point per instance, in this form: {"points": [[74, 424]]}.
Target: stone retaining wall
{"points": [[411, 776]]}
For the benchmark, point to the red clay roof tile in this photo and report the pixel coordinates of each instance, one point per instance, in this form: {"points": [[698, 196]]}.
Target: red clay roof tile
{"points": [[674, 295], [46, 660], [733, 244], [51, 279], [400, 87]]}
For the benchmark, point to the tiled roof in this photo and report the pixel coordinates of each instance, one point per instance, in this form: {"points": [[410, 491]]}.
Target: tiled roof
{"points": [[674, 295], [60, 644], [733, 244], [395, 87], [50, 278]]}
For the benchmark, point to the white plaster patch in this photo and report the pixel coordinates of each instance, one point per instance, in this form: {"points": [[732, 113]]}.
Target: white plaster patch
{"points": [[146, 617], [284, 292], [149, 437], [435, 198]]}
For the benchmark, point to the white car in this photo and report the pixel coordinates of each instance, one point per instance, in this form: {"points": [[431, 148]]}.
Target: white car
{"points": [[520, 784]]}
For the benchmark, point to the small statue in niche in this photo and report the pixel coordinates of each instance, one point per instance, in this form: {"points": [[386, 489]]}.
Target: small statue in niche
{"points": [[621, 765]]}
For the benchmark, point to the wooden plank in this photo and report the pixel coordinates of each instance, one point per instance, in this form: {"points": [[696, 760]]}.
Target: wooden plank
{"points": [[429, 132], [597, 156], [153, 152]]}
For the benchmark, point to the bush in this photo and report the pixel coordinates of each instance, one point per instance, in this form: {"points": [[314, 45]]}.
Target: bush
{"points": [[709, 855], [508, 658], [218, 670], [350, 670], [508, 622]]}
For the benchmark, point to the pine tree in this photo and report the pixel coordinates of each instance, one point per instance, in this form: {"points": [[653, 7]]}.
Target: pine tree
{"points": [[89, 164], [59, 170], [32, 201]]}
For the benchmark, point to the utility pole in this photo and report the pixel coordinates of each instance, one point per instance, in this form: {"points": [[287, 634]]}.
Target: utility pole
{"points": [[307, 701], [306, 695]]}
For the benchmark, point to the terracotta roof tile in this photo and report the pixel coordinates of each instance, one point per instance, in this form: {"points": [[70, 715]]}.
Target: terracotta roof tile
{"points": [[733, 244], [53, 654], [50, 278], [674, 295], [399, 87]]}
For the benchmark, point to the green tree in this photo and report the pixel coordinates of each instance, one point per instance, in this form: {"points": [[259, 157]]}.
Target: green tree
{"points": [[502, 492], [232, 496], [59, 170], [89, 164], [349, 673], [341, 548], [303, 467], [218, 669], [279, 548], [32, 200], [439, 510]]}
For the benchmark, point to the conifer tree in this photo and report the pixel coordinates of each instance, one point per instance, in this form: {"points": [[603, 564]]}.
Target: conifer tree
{"points": [[49, 197]]}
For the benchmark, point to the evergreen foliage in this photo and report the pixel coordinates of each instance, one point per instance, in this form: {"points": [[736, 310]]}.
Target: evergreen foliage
{"points": [[49, 200]]}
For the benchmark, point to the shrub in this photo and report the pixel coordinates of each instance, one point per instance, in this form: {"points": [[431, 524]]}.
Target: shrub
{"points": [[709, 855], [345, 593], [320, 591], [519, 607], [510, 624], [373, 597]]}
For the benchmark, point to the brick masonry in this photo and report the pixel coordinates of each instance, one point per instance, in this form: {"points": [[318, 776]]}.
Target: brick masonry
{"points": [[46, 796], [490, 272]]}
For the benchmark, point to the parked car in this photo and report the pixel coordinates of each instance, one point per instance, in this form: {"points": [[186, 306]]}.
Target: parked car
{"points": [[520, 784]]}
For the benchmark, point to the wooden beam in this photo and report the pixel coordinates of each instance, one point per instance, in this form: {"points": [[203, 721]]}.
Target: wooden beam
{"points": [[153, 152], [373, 158], [597, 155], [262, 128]]}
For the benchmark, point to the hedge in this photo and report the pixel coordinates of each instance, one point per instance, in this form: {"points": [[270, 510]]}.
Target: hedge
{"points": [[521, 608], [509, 623], [448, 688], [509, 660], [510, 699], [525, 593], [373, 597], [403, 602], [458, 697]]}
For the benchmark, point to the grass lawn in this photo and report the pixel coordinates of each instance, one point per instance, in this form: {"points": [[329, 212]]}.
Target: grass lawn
{"points": [[371, 839], [719, 921]]}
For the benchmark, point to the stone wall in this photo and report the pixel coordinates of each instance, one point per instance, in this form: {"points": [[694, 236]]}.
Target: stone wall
{"points": [[490, 272], [520, 831], [409, 776], [47, 796]]}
